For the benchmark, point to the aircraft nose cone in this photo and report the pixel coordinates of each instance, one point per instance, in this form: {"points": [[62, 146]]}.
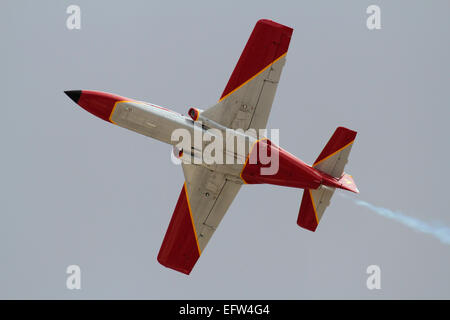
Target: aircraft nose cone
{"points": [[74, 95], [100, 104]]}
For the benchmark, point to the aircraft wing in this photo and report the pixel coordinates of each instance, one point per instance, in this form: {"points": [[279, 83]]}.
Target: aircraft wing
{"points": [[247, 99], [245, 103], [203, 201]]}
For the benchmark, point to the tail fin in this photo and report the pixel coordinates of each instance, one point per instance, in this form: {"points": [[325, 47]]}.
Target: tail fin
{"points": [[331, 161], [346, 182]]}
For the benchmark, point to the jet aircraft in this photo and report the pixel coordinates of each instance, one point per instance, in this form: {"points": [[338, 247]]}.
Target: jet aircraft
{"points": [[210, 188]]}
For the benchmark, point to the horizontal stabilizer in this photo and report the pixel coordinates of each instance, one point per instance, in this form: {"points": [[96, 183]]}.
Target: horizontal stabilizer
{"points": [[331, 163], [334, 156], [314, 203]]}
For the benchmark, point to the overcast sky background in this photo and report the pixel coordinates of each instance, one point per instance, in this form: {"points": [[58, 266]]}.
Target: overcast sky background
{"points": [[78, 190]]}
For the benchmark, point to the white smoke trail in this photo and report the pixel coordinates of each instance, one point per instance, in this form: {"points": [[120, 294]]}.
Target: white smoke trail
{"points": [[437, 230]]}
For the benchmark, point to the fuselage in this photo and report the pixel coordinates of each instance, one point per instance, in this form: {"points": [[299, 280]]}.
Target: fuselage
{"points": [[190, 140]]}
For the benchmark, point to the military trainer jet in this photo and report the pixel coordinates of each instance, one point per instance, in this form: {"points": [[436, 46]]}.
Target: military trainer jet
{"points": [[211, 186]]}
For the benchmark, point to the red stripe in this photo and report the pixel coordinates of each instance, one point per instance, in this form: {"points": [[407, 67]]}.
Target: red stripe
{"points": [[307, 216], [179, 249], [268, 41]]}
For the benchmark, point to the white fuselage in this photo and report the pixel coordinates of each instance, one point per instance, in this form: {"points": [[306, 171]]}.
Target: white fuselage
{"points": [[163, 124]]}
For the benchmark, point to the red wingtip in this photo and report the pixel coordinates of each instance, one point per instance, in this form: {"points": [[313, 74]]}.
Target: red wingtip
{"points": [[268, 41], [179, 250]]}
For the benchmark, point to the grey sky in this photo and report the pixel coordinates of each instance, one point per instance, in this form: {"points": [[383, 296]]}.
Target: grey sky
{"points": [[77, 190]]}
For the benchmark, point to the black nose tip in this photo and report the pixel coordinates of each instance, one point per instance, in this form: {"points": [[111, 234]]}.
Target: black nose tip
{"points": [[74, 95]]}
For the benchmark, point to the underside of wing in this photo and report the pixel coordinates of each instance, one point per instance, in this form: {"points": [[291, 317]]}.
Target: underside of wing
{"points": [[203, 201], [247, 99]]}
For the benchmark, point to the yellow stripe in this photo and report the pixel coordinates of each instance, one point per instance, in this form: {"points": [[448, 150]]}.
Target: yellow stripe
{"points": [[314, 206], [114, 108], [192, 219], [248, 156], [316, 163], [253, 76]]}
